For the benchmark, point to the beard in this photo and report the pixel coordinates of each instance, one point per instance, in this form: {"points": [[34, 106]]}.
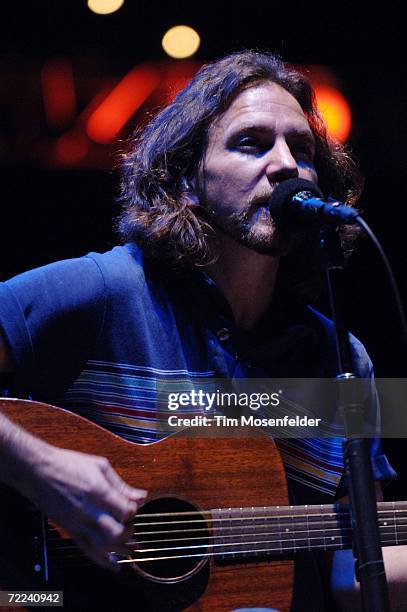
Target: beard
{"points": [[253, 228]]}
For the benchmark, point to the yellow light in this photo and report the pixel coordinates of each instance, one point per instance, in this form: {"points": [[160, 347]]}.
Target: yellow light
{"points": [[335, 110], [104, 7], [181, 41]]}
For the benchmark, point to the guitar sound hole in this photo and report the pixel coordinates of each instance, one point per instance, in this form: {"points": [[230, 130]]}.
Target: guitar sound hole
{"points": [[173, 536]]}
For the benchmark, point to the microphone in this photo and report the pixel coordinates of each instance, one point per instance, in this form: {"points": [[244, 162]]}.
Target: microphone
{"points": [[297, 203]]}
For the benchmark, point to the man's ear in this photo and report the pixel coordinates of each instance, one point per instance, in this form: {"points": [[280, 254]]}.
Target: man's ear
{"points": [[189, 193]]}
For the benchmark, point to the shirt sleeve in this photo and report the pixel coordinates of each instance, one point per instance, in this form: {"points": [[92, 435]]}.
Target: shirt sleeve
{"points": [[50, 318], [382, 470], [363, 369]]}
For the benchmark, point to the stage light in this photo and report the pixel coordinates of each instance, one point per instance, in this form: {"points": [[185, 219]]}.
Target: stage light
{"points": [[335, 110], [58, 91], [181, 41], [104, 7], [127, 96]]}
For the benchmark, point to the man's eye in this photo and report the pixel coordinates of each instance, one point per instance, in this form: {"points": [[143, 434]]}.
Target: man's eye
{"points": [[304, 152], [249, 143]]}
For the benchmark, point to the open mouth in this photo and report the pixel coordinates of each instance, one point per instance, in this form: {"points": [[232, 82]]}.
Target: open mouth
{"points": [[262, 202]]}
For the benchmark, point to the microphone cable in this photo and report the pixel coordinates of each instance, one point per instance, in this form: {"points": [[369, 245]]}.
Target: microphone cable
{"points": [[393, 283], [297, 202]]}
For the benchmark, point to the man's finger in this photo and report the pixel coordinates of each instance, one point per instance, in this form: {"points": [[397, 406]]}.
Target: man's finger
{"points": [[134, 494], [107, 536], [117, 504]]}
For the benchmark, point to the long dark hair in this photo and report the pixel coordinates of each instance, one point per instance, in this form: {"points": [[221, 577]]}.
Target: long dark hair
{"points": [[168, 149]]}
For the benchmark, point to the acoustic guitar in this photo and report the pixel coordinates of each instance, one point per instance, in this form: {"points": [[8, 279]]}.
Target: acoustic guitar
{"points": [[216, 533]]}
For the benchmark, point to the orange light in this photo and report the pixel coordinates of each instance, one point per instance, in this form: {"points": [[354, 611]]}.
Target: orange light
{"points": [[116, 109], [71, 148], [335, 110], [181, 41], [58, 91], [105, 7]]}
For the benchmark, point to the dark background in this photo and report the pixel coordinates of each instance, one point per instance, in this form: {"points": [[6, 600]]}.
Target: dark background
{"points": [[50, 212]]}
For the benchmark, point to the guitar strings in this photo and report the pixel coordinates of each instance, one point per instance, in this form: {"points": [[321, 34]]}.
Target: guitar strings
{"points": [[278, 549], [242, 543], [215, 554], [325, 517], [310, 517], [294, 528], [312, 525], [234, 535], [327, 510], [289, 537]]}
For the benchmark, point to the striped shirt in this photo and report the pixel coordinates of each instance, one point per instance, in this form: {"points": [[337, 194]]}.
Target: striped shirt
{"points": [[103, 335]]}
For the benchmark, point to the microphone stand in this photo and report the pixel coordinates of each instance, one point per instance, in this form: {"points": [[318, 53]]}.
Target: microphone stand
{"points": [[369, 565]]}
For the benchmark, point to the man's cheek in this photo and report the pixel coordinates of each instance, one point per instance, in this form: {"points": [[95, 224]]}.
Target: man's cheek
{"points": [[308, 172]]}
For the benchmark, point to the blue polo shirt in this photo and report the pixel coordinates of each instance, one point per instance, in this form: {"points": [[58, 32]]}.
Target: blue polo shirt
{"points": [[97, 334]]}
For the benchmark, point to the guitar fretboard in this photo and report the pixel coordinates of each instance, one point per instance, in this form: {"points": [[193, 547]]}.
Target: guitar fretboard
{"points": [[285, 530]]}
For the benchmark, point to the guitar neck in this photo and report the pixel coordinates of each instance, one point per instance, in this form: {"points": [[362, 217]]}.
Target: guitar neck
{"points": [[286, 530]]}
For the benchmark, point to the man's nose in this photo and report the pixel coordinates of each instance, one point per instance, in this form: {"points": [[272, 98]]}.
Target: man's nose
{"points": [[282, 164]]}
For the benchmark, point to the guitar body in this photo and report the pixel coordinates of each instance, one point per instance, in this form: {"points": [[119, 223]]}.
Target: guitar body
{"points": [[219, 468]]}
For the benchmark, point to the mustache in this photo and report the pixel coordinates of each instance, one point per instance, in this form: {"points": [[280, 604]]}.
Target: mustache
{"points": [[256, 203], [261, 198], [245, 216]]}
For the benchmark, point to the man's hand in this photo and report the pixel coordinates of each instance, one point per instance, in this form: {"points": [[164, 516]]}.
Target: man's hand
{"points": [[85, 496], [345, 588]]}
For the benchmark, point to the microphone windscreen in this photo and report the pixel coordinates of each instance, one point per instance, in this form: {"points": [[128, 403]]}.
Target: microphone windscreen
{"points": [[285, 191]]}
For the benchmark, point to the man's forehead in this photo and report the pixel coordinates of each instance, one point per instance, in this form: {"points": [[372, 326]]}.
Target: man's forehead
{"points": [[264, 102]]}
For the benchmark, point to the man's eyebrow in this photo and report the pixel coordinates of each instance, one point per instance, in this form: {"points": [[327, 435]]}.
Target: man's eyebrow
{"points": [[250, 127], [305, 135], [256, 128]]}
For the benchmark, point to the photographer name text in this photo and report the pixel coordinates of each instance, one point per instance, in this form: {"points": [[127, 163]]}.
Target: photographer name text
{"points": [[251, 421]]}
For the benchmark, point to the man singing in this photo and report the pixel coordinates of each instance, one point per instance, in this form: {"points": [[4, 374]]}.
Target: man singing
{"points": [[205, 285]]}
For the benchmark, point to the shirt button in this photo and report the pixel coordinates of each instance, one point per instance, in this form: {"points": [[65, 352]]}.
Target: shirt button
{"points": [[223, 334]]}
